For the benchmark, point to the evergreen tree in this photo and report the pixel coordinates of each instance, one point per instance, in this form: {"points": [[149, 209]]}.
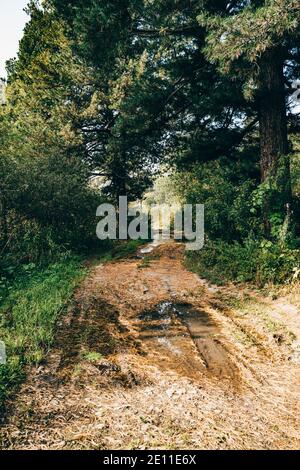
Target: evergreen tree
{"points": [[213, 70], [259, 42]]}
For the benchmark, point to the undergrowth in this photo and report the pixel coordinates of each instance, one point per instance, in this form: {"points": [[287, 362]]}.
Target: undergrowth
{"points": [[256, 262], [28, 315]]}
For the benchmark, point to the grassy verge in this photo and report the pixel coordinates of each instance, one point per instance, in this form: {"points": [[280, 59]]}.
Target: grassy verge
{"points": [[256, 262], [120, 250], [28, 316]]}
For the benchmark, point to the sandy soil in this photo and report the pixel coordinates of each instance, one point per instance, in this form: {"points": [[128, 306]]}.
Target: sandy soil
{"points": [[149, 356]]}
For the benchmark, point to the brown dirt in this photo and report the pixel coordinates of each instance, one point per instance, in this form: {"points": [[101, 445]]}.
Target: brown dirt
{"points": [[150, 356]]}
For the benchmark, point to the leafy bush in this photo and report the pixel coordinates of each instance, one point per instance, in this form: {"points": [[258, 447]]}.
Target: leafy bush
{"points": [[226, 190], [252, 261], [234, 202]]}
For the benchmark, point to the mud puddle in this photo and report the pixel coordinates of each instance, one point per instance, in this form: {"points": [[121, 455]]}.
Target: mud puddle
{"points": [[184, 338]]}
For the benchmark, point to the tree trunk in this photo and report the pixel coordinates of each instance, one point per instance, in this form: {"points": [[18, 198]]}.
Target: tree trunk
{"points": [[273, 129]]}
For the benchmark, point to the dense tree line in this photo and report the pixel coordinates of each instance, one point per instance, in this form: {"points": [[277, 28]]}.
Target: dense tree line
{"points": [[120, 89]]}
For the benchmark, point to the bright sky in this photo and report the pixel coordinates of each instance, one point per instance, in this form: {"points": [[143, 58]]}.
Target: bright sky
{"points": [[12, 22]]}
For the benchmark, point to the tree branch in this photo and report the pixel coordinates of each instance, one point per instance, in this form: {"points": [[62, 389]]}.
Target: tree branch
{"points": [[184, 31]]}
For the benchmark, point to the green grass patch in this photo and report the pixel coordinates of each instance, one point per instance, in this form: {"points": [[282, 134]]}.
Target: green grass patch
{"points": [[28, 316], [91, 356], [120, 250], [259, 262]]}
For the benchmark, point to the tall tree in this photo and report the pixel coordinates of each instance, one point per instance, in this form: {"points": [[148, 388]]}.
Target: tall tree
{"points": [[44, 176], [259, 42], [213, 71], [174, 101]]}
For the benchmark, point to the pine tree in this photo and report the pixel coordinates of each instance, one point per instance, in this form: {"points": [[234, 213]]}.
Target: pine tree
{"points": [[213, 72], [259, 42]]}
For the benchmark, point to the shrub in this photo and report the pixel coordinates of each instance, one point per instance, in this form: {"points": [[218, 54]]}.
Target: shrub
{"points": [[252, 261]]}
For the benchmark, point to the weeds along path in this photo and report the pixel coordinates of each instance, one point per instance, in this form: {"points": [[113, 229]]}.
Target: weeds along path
{"points": [[150, 356]]}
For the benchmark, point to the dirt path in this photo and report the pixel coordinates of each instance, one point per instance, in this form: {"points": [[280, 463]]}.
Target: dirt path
{"points": [[150, 356]]}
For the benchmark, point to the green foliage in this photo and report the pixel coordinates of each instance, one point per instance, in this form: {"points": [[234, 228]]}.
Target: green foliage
{"points": [[46, 204], [123, 89], [235, 247], [91, 356], [164, 191], [166, 98], [120, 250], [251, 30], [272, 192], [226, 189], [28, 316], [252, 261]]}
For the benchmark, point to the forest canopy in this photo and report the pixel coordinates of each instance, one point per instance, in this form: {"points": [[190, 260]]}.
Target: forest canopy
{"points": [[126, 90]]}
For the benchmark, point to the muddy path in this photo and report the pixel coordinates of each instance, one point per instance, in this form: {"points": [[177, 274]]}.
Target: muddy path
{"points": [[172, 330], [147, 356]]}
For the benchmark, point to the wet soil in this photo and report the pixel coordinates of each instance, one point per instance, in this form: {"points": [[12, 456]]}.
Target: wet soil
{"points": [[170, 327], [148, 357]]}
